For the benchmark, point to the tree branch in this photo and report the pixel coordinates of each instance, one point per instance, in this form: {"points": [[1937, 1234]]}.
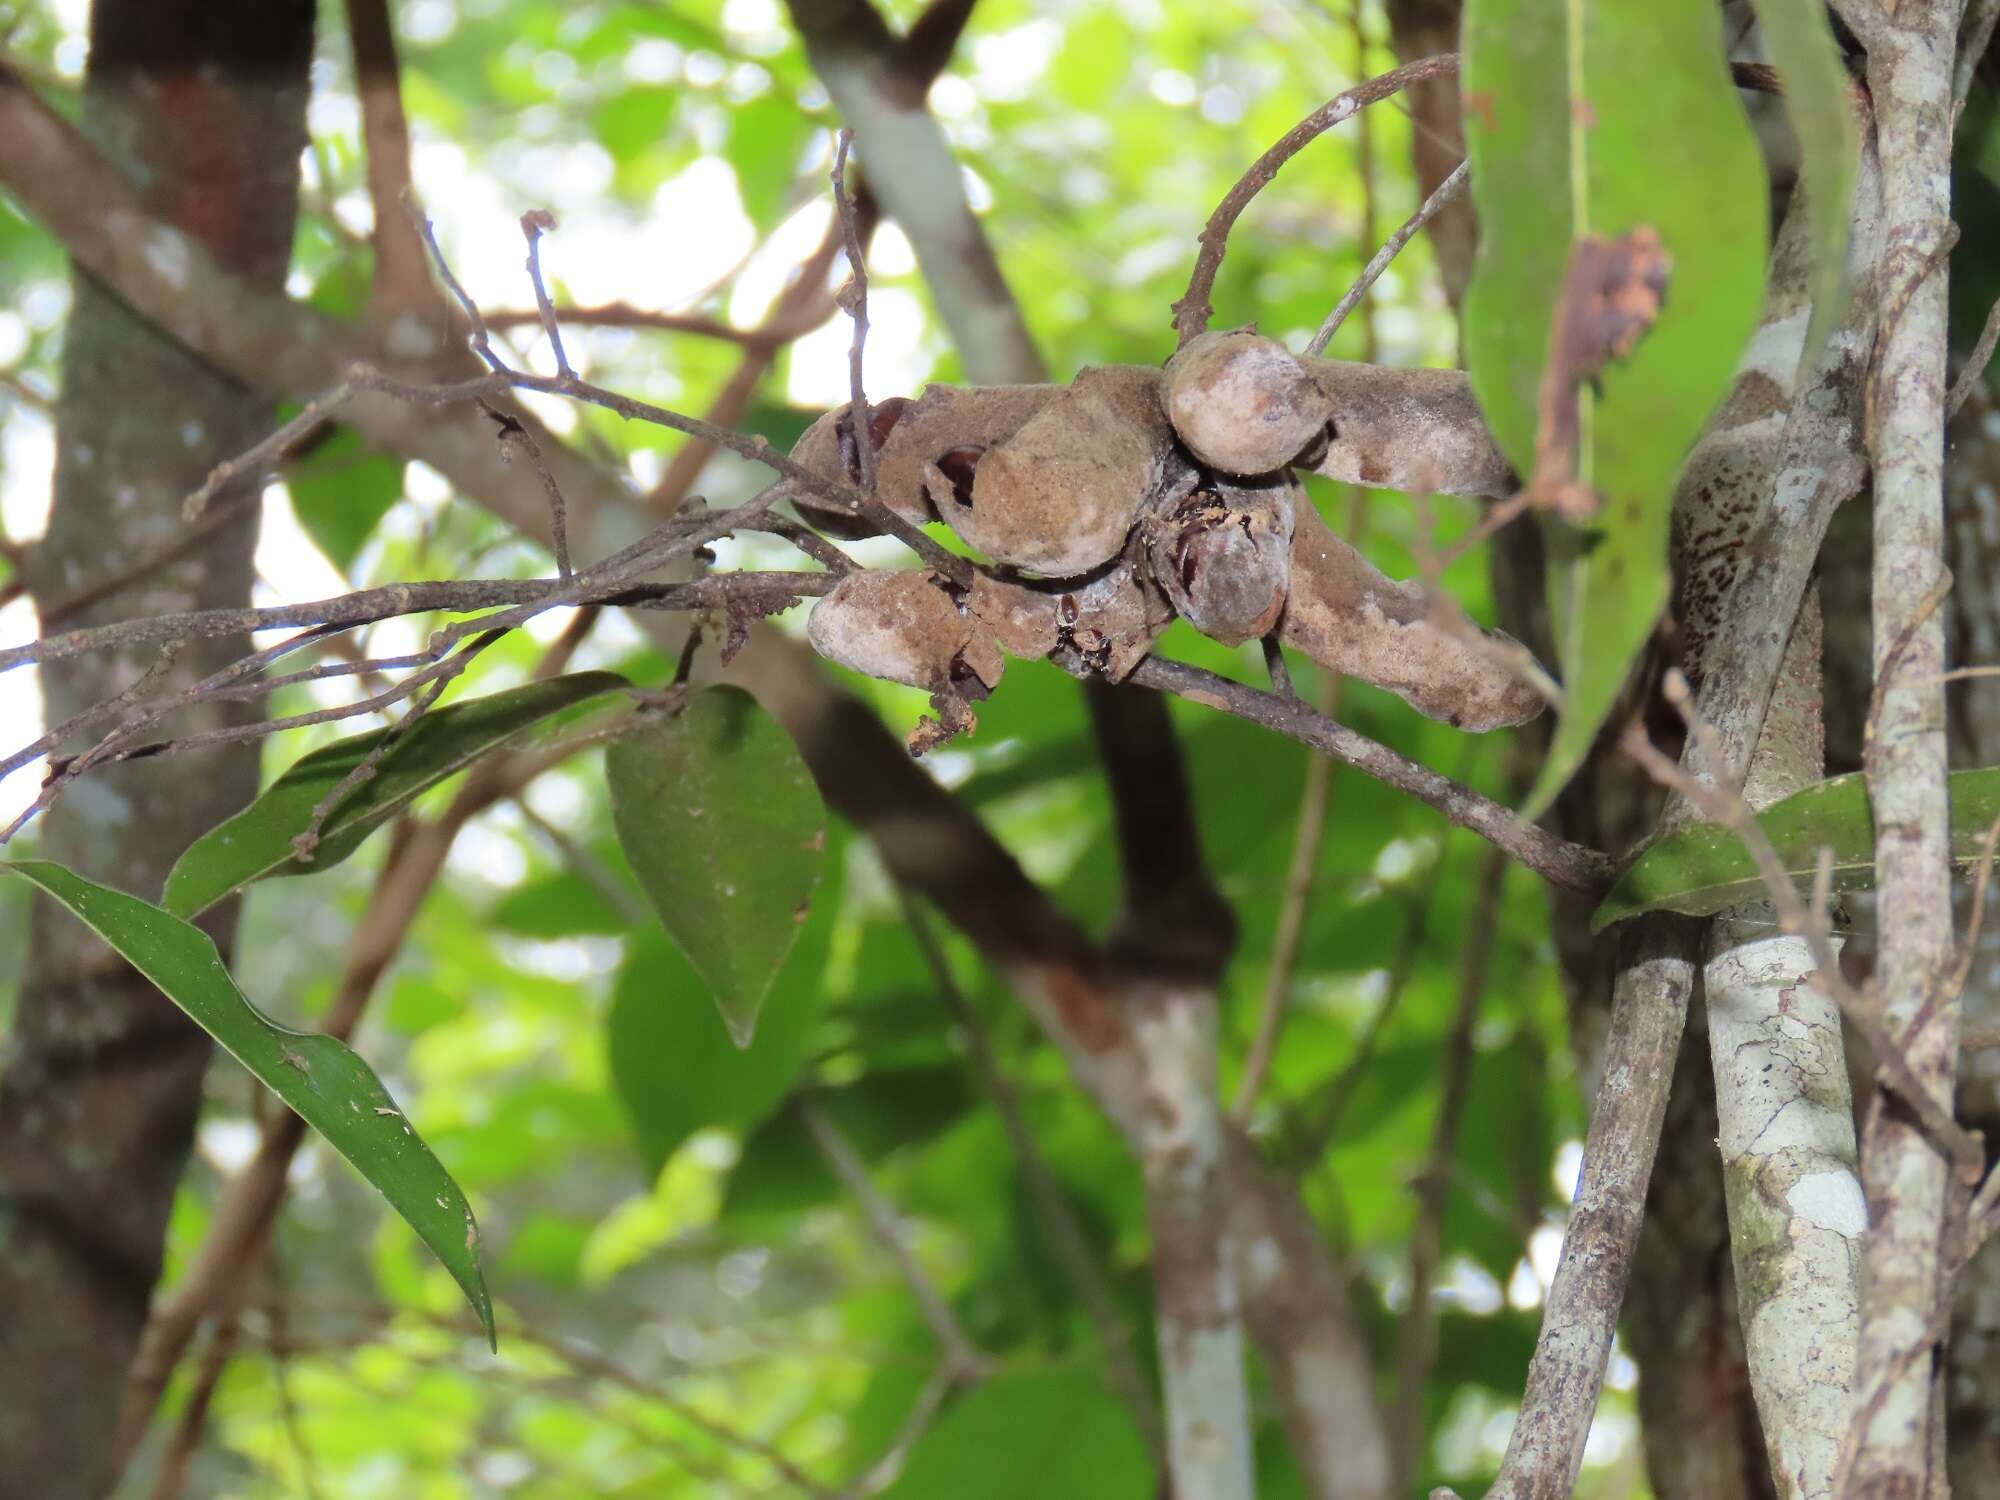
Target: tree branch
{"points": [[1556, 860]]}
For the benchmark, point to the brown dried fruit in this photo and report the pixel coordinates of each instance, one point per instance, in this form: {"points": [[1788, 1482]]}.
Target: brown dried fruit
{"points": [[1349, 618], [1112, 621], [1376, 412], [1023, 620], [905, 627], [1060, 495], [945, 418], [882, 419], [954, 478], [1244, 404], [1224, 557]]}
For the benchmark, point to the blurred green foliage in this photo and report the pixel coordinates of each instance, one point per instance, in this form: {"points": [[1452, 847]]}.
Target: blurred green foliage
{"points": [[681, 1287]]}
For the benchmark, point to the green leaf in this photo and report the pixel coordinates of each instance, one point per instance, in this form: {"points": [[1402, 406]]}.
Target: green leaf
{"points": [[326, 1083], [341, 491], [1054, 1434], [781, 1172], [630, 123], [767, 137], [677, 1069], [1563, 109], [1801, 43], [1707, 868], [257, 842], [727, 834]]}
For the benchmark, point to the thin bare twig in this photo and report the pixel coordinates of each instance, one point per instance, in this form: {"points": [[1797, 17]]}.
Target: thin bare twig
{"points": [[1722, 806], [534, 224], [854, 298], [1416, 1343], [961, 1355], [1982, 352], [1556, 860], [1445, 192], [514, 434], [1192, 312]]}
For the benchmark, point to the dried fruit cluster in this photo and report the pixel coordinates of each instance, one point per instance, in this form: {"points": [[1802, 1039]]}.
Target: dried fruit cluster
{"points": [[1104, 508]]}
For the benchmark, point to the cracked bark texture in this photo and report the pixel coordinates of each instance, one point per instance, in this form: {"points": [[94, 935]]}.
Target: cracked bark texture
{"points": [[1910, 56], [204, 104], [1752, 511]]}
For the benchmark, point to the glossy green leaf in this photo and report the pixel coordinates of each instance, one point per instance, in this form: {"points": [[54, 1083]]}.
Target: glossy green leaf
{"points": [[727, 834], [257, 842], [1564, 107], [677, 1069], [1817, 92], [341, 491], [1706, 869], [1054, 1434], [327, 1084]]}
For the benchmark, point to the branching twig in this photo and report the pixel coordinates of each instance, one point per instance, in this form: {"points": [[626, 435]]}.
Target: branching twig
{"points": [[1976, 362], [1192, 312], [1722, 806], [1446, 191], [1554, 859]]}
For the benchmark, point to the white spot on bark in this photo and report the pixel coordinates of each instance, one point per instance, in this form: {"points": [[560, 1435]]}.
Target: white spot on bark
{"points": [[408, 338], [192, 433], [1792, 496], [168, 253], [1830, 1200]]}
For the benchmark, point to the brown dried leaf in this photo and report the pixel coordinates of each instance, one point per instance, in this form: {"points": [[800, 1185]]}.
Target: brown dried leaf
{"points": [[1611, 295]]}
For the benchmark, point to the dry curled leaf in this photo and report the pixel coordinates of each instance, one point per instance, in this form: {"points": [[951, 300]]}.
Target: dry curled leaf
{"points": [[1243, 403], [1611, 294]]}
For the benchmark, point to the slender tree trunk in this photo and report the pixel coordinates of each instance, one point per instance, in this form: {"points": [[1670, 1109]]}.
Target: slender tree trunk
{"points": [[204, 102]]}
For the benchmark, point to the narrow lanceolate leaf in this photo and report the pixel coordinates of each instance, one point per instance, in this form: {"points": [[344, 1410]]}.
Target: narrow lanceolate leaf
{"points": [[324, 1082], [1818, 103], [727, 834], [1706, 869], [1567, 108], [257, 842]]}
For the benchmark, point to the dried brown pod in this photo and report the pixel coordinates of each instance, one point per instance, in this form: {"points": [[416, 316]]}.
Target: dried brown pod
{"points": [[1111, 622], [944, 420], [1417, 430], [1022, 620], [909, 435], [1243, 403], [907, 627], [1059, 496], [1224, 556], [1350, 618]]}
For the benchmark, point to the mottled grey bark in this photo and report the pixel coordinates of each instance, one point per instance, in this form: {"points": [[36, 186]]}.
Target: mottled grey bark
{"points": [[203, 102]]}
